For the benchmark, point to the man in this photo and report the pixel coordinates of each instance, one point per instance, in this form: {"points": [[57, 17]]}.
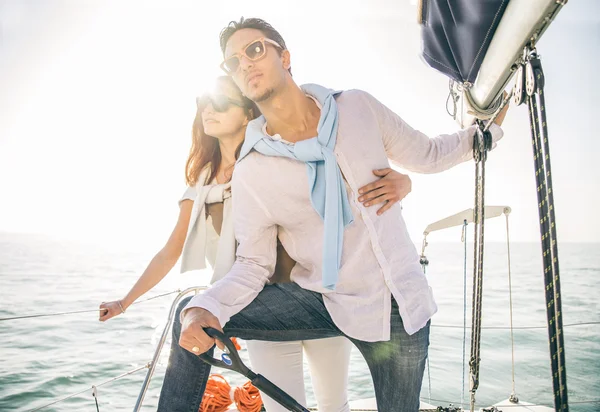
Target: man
{"points": [[358, 273]]}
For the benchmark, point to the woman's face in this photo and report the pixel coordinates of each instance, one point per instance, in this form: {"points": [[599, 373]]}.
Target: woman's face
{"points": [[223, 116]]}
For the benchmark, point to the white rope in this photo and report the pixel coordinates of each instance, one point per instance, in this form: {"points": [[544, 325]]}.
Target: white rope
{"points": [[453, 97], [464, 240], [516, 327], [503, 102], [479, 155], [95, 395], [40, 315], [504, 405], [428, 377], [587, 401], [512, 340], [92, 387], [478, 112]]}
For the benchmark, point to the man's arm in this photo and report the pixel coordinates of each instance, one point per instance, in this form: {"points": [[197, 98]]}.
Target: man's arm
{"points": [[256, 254], [412, 150]]}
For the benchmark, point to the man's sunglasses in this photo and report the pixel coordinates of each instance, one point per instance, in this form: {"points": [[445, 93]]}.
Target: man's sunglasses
{"points": [[253, 52], [220, 103]]}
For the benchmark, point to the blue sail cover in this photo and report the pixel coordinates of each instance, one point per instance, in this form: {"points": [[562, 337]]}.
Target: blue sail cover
{"points": [[457, 33]]}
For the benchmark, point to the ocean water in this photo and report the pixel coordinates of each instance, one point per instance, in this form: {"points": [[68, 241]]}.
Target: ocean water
{"points": [[45, 358]]}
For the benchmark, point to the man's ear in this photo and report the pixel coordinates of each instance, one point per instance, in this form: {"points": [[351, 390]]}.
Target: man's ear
{"points": [[286, 59]]}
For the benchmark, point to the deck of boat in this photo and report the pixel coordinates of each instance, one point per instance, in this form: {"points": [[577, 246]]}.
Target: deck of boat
{"points": [[369, 405]]}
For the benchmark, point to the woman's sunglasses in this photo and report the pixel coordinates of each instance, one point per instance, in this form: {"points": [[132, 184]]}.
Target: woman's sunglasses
{"points": [[219, 103], [253, 52]]}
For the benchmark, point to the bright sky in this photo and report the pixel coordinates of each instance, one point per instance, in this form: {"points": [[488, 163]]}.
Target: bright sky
{"points": [[98, 97]]}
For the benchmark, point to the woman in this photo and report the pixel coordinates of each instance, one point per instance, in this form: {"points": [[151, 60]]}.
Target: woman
{"points": [[204, 231]]}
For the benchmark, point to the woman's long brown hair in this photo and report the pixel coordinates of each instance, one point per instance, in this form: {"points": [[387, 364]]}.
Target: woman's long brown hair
{"points": [[205, 149]]}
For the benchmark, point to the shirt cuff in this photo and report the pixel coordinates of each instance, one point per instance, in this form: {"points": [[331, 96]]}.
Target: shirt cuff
{"points": [[497, 133], [208, 303]]}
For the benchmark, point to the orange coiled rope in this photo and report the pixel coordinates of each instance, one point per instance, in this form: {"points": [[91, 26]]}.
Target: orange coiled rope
{"points": [[218, 394], [247, 398], [235, 343]]}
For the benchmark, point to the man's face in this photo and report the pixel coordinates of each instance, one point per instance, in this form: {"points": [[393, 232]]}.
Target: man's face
{"points": [[257, 79]]}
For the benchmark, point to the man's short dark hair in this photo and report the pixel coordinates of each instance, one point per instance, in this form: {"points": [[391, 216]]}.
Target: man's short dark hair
{"points": [[251, 23]]}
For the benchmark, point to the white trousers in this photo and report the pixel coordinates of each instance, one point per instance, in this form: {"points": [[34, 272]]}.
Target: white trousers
{"points": [[282, 364]]}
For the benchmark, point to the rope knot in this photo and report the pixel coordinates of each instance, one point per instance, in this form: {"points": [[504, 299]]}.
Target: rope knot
{"points": [[311, 150]]}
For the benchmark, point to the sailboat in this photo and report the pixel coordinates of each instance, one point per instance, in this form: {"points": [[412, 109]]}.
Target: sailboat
{"points": [[481, 46]]}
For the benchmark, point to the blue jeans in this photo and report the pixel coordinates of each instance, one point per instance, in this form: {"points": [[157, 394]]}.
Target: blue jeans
{"points": [[286, 312]]}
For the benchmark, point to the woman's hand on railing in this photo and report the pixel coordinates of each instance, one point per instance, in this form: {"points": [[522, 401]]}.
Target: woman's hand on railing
{"points": [[110, 310]]}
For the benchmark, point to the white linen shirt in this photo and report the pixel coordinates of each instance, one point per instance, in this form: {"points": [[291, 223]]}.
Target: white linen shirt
{"points": [[270, 197], [193, 260]]}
